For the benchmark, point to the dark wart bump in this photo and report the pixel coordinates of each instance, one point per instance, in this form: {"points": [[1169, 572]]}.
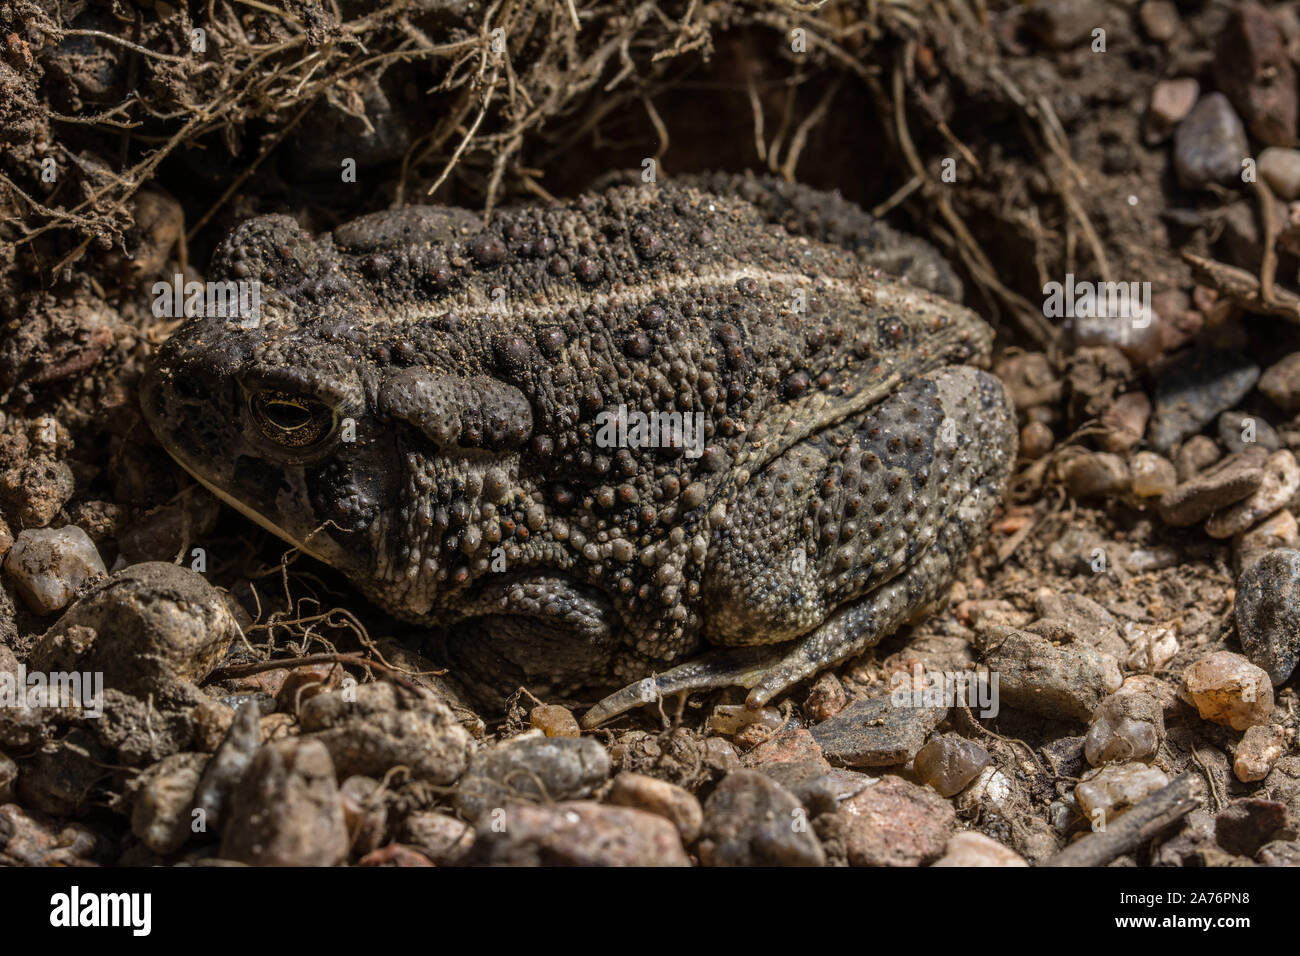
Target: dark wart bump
{"points": [[653, 317], [637, 345], [551, 342], [648, 245], [590, 270], [539, 247], [510, 351], [487, 249], [795, 385]]}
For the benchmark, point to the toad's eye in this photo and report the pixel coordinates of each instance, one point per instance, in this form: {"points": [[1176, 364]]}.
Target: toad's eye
{"points": [[290, 419]]}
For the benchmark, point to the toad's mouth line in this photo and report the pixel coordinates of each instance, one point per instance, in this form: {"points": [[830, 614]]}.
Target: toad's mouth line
{"points": [[246, 511]]}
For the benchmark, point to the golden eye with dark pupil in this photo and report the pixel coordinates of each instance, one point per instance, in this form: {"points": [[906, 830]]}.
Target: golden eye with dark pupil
{"points": [[292, 420]]}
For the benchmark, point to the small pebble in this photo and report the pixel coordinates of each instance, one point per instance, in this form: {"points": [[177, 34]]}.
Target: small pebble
{"points": [[1228, 689], [1064, 23], [676, 805], [1029, 380], [226, 769], [1104, 794], [1210, 144], [1195, 455], [877, 732], [286, 810], [826, 699], [814, 786], [1280, 531], [720, 755], [554, 721], [1281, 383], [1066, 681], [1139, 342], [1268, 613], [1280, 168], [1150, 648], [376, 728], [1252, 65], [37, 489], [969, 848], [949, 762], [750, 820], [442, 838], [1235, 478], [890, 823], [532, 766], [575, 833], [1259, 749], [1171, 101], [1142, 560], [1159, 19], [789, 746], [47, 565], [1125, 422], [990, 793], [1152, 475], [1195, 387], [730, 719], [163, 795], [1242, 239], [1036, 440], [1239, 430], [1127, 726], [301, 684], [364, 813], [1096, 475], [1164, 693], [145, 627], [1280, 485]]}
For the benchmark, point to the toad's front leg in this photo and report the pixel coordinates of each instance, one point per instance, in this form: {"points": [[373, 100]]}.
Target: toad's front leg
{"points": [[545, 632]]}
